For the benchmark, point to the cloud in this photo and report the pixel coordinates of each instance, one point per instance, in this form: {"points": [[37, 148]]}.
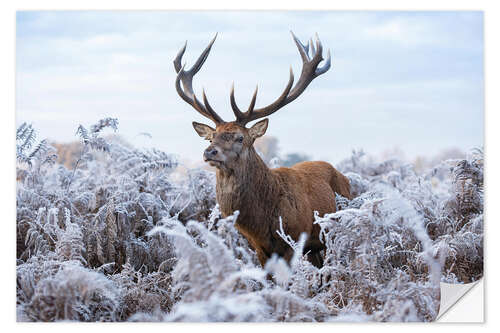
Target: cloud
{"points": [[396, 77]]}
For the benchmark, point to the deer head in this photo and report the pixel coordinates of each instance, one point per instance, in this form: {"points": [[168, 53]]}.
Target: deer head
{"points": [[232, 141]]}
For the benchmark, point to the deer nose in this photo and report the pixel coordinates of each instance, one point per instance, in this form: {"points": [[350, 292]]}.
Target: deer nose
{"points": [[210, 153]]}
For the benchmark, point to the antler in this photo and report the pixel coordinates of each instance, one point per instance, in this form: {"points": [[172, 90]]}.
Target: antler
{"points": [[186, 77], [310, 71]]}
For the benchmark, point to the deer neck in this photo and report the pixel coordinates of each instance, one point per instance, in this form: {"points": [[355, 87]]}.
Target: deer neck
{"points": [[246, 188]]}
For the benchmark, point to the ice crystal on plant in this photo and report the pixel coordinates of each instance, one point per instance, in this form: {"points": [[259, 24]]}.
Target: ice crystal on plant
{"points": [[122, 235]]}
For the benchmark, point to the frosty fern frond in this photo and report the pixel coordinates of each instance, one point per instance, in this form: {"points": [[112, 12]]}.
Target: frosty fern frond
{"points": [[127, 235], [83, 133], [92, 137], [92, 141], [25, 136], [42, 153], [103, 123]]}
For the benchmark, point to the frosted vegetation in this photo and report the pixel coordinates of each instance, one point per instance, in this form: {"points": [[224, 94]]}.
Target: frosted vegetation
{"points": [[123, 235]]}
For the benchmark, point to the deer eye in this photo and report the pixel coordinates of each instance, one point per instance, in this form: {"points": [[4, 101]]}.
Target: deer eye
{"points": [[239, 139]]}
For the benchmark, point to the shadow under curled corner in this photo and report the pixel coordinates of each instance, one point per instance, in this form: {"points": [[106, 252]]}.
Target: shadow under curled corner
{"points": [[462, 302]]}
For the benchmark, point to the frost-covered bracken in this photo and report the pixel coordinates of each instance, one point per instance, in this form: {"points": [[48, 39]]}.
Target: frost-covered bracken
{"points": [[123, 236]]}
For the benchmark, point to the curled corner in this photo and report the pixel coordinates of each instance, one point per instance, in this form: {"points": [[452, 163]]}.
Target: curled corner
{"points": [[452, 294]]}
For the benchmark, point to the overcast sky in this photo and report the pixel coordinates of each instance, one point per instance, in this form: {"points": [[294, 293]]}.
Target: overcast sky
{"points": [[408, 79]]}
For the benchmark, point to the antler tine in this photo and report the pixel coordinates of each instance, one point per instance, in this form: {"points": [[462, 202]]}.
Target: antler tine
{"points": [[237, 112], [253, 113], [303, 49], [204, 55], [241, 116], [313, 50], [326, 66], [178, 58], [319, 47], [309, 72], [186, 77], [252, 102], [209, 108]]}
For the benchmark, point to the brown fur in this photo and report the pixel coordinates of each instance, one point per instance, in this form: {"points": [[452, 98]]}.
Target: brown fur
{"points": [[262, 195], [246, 184]]}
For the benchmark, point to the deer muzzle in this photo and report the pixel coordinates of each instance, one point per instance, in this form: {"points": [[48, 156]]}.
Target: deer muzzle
{"points": [[210, 154]]}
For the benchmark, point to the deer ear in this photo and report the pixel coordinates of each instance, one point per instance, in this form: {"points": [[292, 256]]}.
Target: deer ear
{"points": [[203, 130], [258, 129]]}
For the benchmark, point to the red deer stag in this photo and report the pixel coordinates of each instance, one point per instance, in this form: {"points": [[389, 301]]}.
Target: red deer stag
{"points": [[246, 184]]}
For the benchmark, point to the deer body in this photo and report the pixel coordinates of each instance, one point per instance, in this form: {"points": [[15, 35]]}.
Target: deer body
{"points": [[263, 195], [246, 184]]}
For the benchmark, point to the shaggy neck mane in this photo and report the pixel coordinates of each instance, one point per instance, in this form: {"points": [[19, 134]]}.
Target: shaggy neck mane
{"points": [[247, 188]]}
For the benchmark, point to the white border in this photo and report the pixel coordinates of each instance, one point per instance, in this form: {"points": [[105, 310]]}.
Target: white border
{"points": [[7, 21]]}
